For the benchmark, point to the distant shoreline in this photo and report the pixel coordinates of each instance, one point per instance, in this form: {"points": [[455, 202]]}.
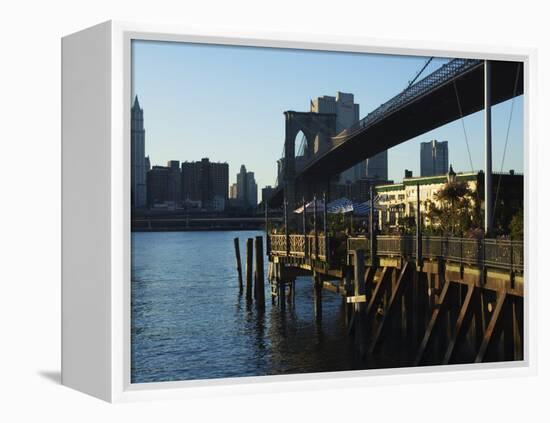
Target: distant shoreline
{"points": [[197, 229], [198, 223]]}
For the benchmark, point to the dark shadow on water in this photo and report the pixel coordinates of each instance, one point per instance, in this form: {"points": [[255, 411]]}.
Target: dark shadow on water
{"points": [[51, 375]]}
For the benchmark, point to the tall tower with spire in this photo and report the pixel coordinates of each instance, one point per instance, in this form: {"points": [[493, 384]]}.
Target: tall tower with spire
{"points": [[138, 161]]}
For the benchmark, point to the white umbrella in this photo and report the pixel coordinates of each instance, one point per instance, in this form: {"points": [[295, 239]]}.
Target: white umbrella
{"points": [[310, 207]]}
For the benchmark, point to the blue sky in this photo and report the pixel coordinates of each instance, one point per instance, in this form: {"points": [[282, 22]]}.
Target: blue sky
{"points": [[227, 103]]}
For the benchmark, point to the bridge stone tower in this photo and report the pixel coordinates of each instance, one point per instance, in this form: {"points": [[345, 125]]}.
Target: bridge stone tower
{"points": [[317, 128]]}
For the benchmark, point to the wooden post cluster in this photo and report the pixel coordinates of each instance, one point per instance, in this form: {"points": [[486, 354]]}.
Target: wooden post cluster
{"points": [[255, 278]]}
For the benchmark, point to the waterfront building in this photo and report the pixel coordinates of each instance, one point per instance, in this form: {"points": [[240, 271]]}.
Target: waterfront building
{"points": [[138, 165], [347, 113], [203, 181], [398, 201], [247, 189], [434, 158]]}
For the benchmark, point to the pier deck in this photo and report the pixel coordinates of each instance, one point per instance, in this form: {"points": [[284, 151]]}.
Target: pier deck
{"points": [[443, 299]]}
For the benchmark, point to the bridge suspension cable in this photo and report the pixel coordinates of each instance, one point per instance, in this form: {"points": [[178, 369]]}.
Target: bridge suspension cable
{"points": [[417, 75], [506, 139], [463, 126]]}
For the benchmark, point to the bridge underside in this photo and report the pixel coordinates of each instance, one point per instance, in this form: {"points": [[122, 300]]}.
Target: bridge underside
{"points": [[436, 108]]}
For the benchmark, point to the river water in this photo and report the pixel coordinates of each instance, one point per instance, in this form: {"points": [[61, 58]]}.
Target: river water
{"points": [[189, 320]]}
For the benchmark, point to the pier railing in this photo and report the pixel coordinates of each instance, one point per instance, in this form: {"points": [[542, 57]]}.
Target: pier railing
{"points": [[500, 254], [310, 246]]}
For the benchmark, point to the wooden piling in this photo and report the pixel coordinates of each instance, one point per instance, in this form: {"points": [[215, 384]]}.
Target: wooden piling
{"points": [[238, 259], [281, 293], [259, 288], [249, 269], [359, 289], [318, 296]]}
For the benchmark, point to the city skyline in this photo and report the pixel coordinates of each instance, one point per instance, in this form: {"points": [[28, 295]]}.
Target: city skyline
{"points": [[177, 82]]}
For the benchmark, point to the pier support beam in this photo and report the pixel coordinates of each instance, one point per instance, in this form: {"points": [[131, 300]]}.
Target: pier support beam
{"points": [[433, 326], [462, 324], [383, 285], [494, 329], [403, 283]]}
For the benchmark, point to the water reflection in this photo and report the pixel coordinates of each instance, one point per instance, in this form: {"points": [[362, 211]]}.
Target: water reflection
{"points": [[190, 321]]}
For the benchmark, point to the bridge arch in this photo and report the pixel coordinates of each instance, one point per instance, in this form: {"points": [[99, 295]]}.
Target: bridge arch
{"points": [[317, 128]]}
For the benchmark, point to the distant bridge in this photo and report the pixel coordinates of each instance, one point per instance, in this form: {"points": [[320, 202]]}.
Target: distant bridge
{"points": [[453, 91]]}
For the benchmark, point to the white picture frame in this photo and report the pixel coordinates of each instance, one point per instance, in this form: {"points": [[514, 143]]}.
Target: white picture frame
{"points": [[96, 78]]}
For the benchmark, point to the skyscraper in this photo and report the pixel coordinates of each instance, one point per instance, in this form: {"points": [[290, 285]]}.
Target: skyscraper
{"points": [[247, 189], [174, 181], [434, 158], [347, 113], [267, 192], [164, 185], [377, 167], [233, 191], [205, 181], [138, 162], [158, 185]]}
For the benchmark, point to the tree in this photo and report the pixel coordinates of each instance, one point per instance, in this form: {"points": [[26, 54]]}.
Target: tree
{"points": [[456, 212], [516, 226]]}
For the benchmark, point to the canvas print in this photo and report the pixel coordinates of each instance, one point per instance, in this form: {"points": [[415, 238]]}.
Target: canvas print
{"points": [[300, 211]]}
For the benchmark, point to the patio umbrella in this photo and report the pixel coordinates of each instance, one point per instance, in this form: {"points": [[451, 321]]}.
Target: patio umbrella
{"points": [[340, 206], [310, 208]]}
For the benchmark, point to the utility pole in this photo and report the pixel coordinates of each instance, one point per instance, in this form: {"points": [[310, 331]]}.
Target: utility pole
{"points": [[488, 152], [371, 226], [418, 229]]}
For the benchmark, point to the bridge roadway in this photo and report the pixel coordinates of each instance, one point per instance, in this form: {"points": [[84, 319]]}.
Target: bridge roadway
{"points": [[461, 301], [426, 105]]}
